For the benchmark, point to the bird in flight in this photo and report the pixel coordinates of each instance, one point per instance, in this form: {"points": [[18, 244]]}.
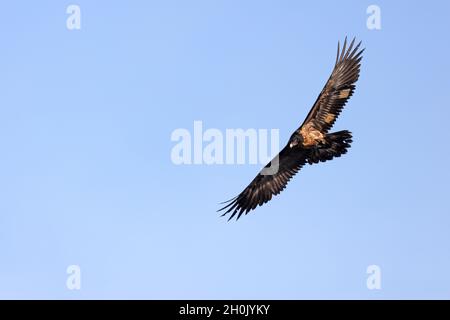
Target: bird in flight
{"points": [[310, 143]]}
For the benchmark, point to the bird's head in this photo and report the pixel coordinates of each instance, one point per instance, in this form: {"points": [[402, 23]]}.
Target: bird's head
{"points": [[296, 139]]}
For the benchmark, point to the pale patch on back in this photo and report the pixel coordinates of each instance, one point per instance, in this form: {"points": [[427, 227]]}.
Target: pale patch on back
{"points": [[311, 136]]}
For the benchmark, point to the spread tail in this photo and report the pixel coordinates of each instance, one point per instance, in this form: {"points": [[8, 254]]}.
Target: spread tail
{"points": [[336, 144]]}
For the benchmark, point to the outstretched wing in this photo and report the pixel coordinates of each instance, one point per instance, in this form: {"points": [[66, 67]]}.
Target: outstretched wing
{"points": [[338, 89], [267, 184]]}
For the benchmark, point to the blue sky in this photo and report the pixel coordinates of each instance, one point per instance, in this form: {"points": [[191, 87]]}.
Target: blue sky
{"points": [[86, 176]]}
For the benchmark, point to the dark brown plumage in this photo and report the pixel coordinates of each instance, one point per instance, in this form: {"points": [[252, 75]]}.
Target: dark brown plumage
{"points": [[310, 143]]}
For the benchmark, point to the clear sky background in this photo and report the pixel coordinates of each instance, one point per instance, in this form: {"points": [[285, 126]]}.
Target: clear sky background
{"points": [[86, 176]]}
